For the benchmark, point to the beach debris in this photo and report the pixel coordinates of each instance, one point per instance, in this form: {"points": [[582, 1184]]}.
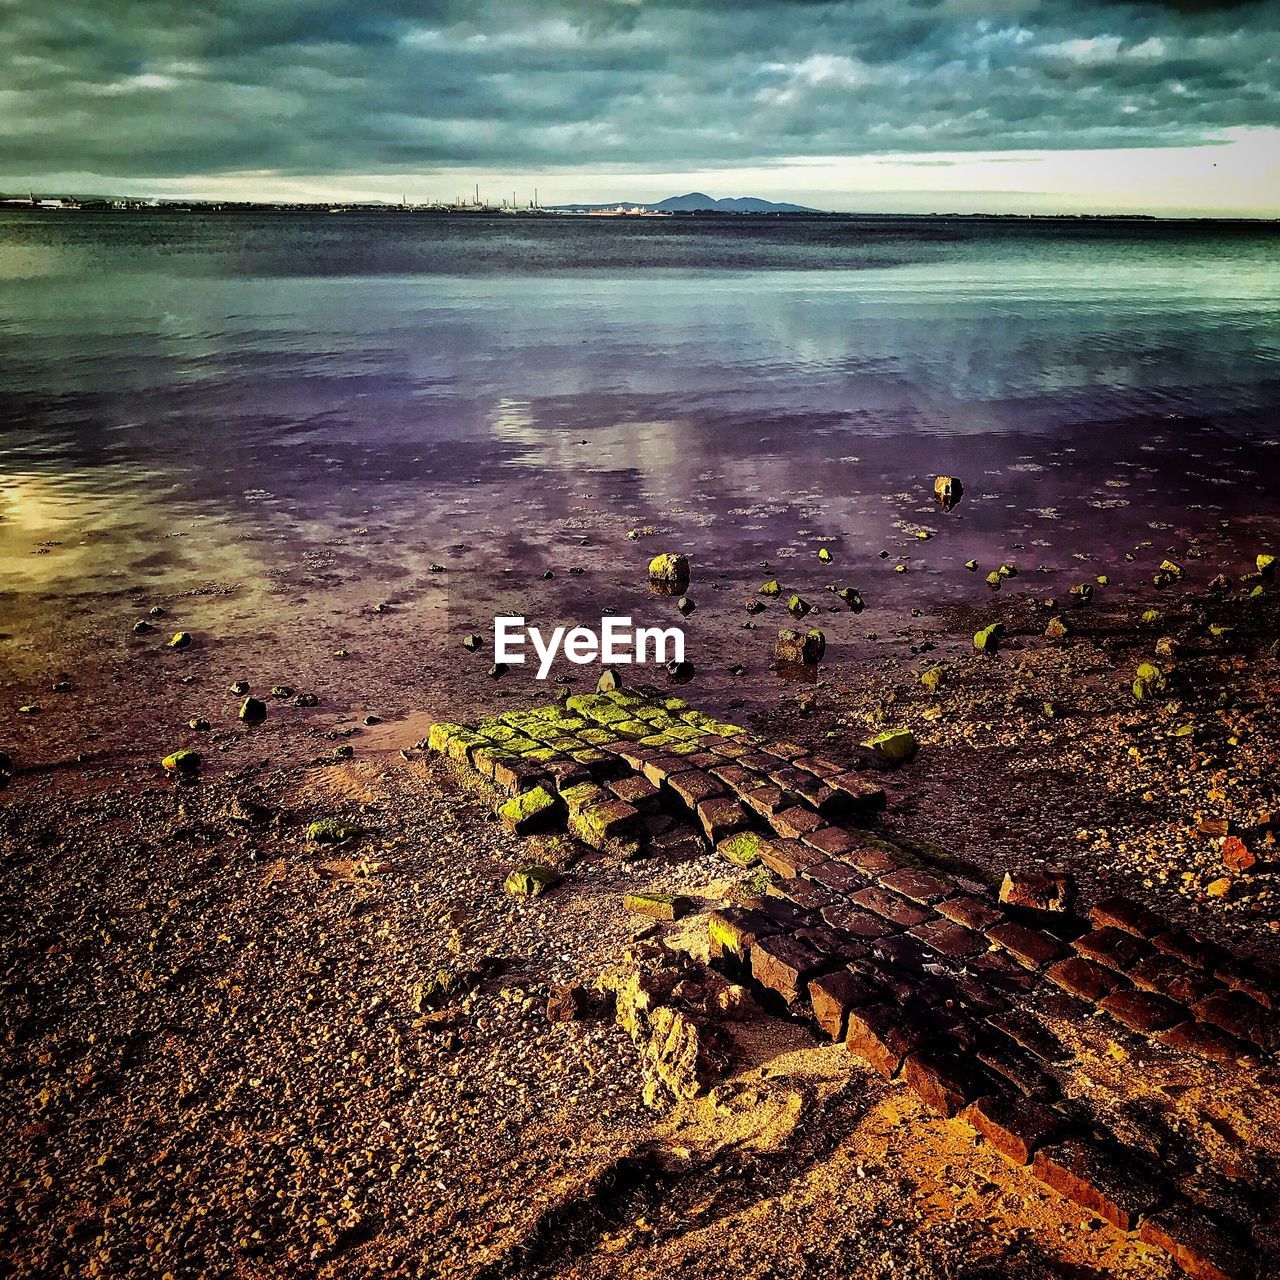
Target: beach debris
{"points": [[893, 746], [987, 640], [771, 588], [852, 598], [531, 880], [661, 906], [798, 607], [1037, 890], [253, 711], [824, 555], [805, 648], [183, 761], [181, 640], [332, 831], [685, 605], [669, 572], [947, 491]]}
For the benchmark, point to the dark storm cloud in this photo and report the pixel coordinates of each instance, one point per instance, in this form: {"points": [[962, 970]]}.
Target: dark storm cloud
{"points": [[154, 88]]}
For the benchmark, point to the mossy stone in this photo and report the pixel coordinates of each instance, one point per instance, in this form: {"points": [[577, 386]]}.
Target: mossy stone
{"points": [[894, 746], [528, 811], [331, 831], [743, 849], [660, 906], [988, 639], [181, 640], [182, 761], [531, 881], [933, 678]]}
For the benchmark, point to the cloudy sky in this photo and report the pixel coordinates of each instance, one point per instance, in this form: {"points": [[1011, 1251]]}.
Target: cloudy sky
{"points": [[1011, 105]]}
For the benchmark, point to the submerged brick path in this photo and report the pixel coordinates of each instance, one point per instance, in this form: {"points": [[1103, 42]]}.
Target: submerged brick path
{"points": [[923, 976]]}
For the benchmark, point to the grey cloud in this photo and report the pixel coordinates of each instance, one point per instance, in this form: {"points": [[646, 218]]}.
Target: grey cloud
{"points": [[164, 88]]}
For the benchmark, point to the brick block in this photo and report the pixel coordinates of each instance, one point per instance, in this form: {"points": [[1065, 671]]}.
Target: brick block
{"points": [[1191, 949], [1084, 978], [1241, 1016], [891, 906], [871, 860], [831, 841], [950, 939], [1252, 979], [804, 893], [836, 876], [1111, 947], [881, 1037], [971, 912], [1169, 976], [659, 768], [738, 779], [694, 786], [784, 965], [515, 776], [833, 995], [1029, 947], [1016, 1067], [721, 817], [1015, 1127], [729, 748], [795, 822], [788, 857], [820, 765], [941, 1081], [1098, 1178], [703, 760], [1119, 912], [1143, 1011], [1202, 1040], [1031, 1034], [1198, 1243], [863, 925], [784, 750], [733, 931], [768, 800], [860, 794], [919, 886]]}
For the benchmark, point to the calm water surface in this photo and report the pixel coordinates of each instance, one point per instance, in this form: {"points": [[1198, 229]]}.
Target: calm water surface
{"points": [[500, 387]]}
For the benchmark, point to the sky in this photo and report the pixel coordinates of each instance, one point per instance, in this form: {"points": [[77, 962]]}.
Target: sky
{"points": [[879, 105]]}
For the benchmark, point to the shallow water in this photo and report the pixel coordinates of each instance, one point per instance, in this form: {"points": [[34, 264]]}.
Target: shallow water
{"points": [[190, 399]]}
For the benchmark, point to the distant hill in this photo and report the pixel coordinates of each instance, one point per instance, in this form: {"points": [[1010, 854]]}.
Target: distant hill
{"points": [[698, 202]]}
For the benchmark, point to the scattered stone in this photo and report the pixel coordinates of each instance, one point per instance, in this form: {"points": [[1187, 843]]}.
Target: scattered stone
{"points": [[528, 811], [239, 688], [771, 588], [472, 642], [987, 640], [1037, 890], [182, 761], [1058, 628], [947, 491], [685, 605], [660, 906], [332, 831], [531, 881], [181, 640], [669, 569], [198, 724], [893, 746], [253, 711], [804, 648], [933, 678], [825, 556]]}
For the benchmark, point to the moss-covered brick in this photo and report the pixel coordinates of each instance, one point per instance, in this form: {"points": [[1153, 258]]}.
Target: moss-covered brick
{"points": [[590, 756], [596, 736], [529, 811], [582, 795], [661, 906], [461, 745], [531, 881], [625, 698], [439, 734], [332, 831], [742, 849], [610, 820], [685, 748], [894, 746], [630, 728]]}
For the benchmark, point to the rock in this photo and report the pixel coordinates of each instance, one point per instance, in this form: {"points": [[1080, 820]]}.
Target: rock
{"points": [[799, 607], [971, 565], [1037, 890], [825, 556], [1266, 565], [772, 588], [253, 711], [1237, 856], [933, 678], [1167, 647], [528, 811], [282, 691], [239, 688], [141, 627], [893, 746], [498, 670], [472, 642], [531, 881], [1007, 571], [805, 648], [681, 672], [754, 606], [995, 580], [852, 598], [1058, 628], [546, 575], [181, 640], [1150, 682], [30, 709], [1150, 616], [670, 568], [574, 1003], [344, 751], [1218, 888], [198, 724], [332, 831], [306, 700], [988, 639], [742, 849], [609, 680], [182, 761], [660, 906], [156, 611], [685, 605], [947, 491]]}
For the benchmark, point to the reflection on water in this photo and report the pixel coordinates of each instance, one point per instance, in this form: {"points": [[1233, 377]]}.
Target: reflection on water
{"points": [[505, 387]]}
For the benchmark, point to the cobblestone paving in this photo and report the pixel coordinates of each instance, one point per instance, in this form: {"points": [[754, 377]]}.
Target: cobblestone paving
{"points": [[924, 976]]}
